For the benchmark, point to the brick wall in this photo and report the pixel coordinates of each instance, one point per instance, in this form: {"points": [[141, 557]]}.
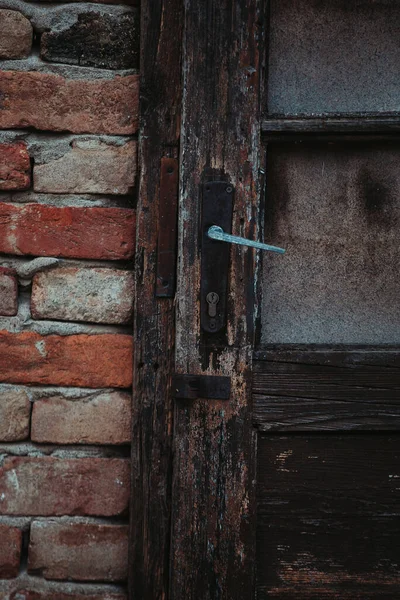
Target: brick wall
{"points": [[68, 131]]}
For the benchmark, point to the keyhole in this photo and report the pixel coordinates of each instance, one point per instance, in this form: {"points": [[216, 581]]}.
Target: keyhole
{"points": [[212, 301]]}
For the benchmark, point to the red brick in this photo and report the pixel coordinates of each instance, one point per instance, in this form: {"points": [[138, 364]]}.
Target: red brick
{"points": [[79, 551], [8, 292], [40, 230], [16, 34], [51, 102], [15, 411], [102, 419], [50, 486], [96, 38], [10, 551], [57, 594], [15, 166], [83, 294], [132, 2], [75, 360], [91, 166]]}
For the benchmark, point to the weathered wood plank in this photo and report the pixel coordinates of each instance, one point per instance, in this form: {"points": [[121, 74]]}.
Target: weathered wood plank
{"points": [[328, 558], [330, 124], [285, 413], [326, 475], [328, 516], [335, 356], [304, 389], [161, 44], [213, 543]]}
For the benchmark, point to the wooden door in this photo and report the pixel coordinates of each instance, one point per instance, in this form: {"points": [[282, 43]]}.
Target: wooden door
{"points": [[289, 488], [326, 370]]}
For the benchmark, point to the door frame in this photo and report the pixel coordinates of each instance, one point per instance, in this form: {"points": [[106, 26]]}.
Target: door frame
{"points": [[154, 316]]}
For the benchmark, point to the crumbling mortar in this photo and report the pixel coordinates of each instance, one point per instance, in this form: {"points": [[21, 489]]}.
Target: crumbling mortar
{"points": [[32, 450], [35, 63], [60, 16], [32, 582], [74, 200]]}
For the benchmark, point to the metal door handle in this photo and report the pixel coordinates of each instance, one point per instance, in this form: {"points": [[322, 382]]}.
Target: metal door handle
{"points": [[217, 233]]}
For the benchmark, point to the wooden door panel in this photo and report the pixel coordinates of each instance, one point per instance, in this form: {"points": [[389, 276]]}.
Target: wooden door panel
{"points": [[300, 389], [328, 516], [328, 475], [318, 558]]}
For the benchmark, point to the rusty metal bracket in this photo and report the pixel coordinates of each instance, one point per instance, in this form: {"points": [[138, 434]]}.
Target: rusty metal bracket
{"points": [[209, 387], [167, 233]]}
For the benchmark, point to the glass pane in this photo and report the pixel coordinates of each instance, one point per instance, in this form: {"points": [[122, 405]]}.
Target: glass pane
{"points": [[335, 207], [331, 56]]}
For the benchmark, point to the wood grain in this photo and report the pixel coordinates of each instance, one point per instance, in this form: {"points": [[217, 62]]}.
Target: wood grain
{"points": [[329, 390], [213, 541], [328, 516], [330, 124], [328, 558], [154, 333]]}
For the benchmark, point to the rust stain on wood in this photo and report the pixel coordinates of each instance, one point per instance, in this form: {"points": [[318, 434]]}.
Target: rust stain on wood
{"points": [[167, 228]]}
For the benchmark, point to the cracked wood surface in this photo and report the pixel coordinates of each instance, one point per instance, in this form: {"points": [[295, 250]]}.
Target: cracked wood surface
{"points": [[161, 45], [213, 546], [325, 390]]}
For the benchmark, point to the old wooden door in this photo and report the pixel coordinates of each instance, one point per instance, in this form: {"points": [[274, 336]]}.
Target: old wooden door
{"points": [[289, 487]]}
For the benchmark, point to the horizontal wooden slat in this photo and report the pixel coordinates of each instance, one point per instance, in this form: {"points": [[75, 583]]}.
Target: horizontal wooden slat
{"points": [[326, 475], [328, 516], [318, 559], [304, 390], [330, 124], [334, 356]]}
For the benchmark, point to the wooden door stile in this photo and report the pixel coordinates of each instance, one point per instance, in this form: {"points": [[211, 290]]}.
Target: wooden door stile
{"points": [[213, 533], [154, 321]]}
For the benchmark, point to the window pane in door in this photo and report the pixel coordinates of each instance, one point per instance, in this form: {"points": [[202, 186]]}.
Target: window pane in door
{"points": [[336, 208], [331, 56]]}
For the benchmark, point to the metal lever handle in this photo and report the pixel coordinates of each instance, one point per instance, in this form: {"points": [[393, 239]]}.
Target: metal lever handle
{"points": [[217, 233]]}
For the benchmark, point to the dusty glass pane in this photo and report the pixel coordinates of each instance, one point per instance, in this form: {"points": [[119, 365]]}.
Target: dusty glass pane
{"points": [[336, 208], [331, 56]]}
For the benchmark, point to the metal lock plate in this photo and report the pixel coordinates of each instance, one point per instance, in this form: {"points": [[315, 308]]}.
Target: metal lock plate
{"points": [[218, 197]]}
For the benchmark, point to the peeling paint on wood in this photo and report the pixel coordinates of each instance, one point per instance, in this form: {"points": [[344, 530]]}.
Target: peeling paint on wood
{"points": [[214, 445]]}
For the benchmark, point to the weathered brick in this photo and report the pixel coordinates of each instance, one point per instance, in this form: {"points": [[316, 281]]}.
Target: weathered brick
{"points": [[76, 360], [10, 551], [79, 551], [15, 166], [16, 34], [15, 410], [90, 167], [102, 419], [131, 2], [72, 232], [8, 292], [90, 294], [51, 102], [96, 39], [59, 593], [50, 486]]}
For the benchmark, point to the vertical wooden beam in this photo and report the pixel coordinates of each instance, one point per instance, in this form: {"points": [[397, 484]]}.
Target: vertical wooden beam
{"points": [[161, 43], [213, 532]]}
